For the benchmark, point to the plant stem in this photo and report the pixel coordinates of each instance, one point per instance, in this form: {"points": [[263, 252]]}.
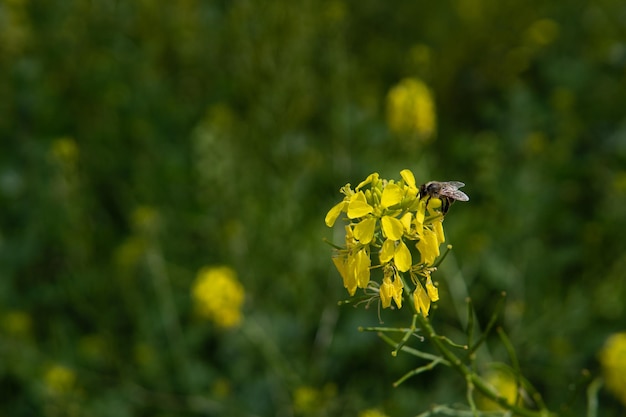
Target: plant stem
{"points": [[478, 383]]}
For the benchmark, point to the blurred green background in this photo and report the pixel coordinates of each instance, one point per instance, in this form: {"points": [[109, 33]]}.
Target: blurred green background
{"points": [[144, 140]]}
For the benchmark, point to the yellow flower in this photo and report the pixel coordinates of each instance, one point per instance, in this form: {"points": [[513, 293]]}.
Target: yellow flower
{"points": [[613, 361], [431, 290], [218, 296], [308, 400], [387, 218], [504, 384], [391, 289], [59, 380], [398, 252], [354, 268], [411, 109], [358, 206]]}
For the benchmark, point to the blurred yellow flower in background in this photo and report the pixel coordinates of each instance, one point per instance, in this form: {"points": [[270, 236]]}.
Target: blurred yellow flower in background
{"points": [[505, 385], [308, 400], [16, 324], [59, 380], [613, 361], [411, 109], [218, 296], [372, 412], [65, 151]]}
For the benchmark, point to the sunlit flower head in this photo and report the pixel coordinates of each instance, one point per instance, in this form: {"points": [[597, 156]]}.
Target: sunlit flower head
{"points": [[388, 230], [613, 361], [218, 296]]}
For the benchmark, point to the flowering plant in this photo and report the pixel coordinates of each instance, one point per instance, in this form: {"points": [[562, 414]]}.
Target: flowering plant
{"points": [[389, 221], [396, 227]]}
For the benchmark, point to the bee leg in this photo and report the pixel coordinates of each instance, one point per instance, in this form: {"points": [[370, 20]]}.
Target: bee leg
{"points": [[445, 204]]}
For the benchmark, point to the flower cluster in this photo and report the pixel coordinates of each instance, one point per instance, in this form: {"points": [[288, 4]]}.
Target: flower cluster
{"points": [[388, 222]]}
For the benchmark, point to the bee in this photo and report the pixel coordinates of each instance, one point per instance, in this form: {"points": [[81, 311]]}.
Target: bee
{"points": [[446, 191]]}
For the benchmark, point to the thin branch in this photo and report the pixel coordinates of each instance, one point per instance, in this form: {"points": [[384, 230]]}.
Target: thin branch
{"points": [[419, 370]]}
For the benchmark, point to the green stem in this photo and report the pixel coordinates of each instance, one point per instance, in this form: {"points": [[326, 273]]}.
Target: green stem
{"points": [[419, 370], [412, 351], [478, 383]]}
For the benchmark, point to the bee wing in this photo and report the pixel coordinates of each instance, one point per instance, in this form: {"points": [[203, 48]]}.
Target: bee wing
{"points": [[457, 195], [451, 189]]}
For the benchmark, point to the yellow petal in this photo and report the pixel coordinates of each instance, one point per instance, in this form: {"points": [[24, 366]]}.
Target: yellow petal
{"points": [[362, 266], [438, 227], [347, 273], [358, 206], [402, 257], [392, 195], [408, 177], [421, 300], [428, 246], [387, 251], [371, 178], [364, 230], [420, 214], [386, 292], [406, 221], [397, 293], [334, 212], [392, 227], [433, 292]]}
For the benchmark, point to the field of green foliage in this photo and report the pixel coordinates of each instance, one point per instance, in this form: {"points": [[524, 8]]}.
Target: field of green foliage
{"points": [[166, 169]]}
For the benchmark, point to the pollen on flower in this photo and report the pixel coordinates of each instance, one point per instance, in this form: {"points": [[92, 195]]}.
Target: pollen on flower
{"points": [[218, 296]]}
